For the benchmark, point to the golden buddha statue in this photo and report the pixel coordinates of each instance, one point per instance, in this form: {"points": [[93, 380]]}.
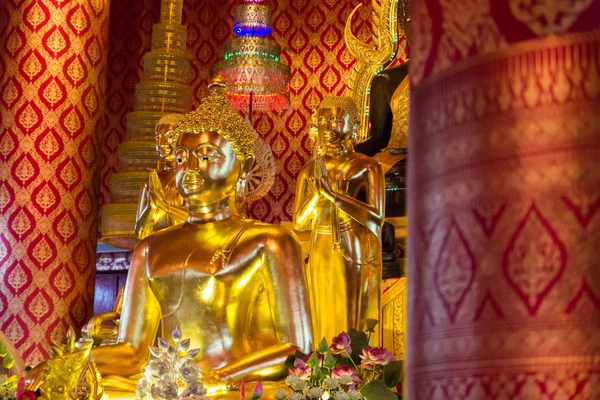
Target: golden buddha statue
{"points": [[340, 197], [160, 204], [235, 286]]}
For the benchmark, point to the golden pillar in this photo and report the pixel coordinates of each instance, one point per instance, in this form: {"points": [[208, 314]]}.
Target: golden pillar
{"points": [[53, 72], [164, 89]]}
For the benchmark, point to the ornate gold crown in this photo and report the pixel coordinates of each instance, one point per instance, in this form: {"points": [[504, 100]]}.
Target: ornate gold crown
{"points": [[344, 102], [216, 114]]}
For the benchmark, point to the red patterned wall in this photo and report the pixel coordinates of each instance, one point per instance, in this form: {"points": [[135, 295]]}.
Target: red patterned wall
{"points": [[52, 84], [310, 33], [504, 289]]}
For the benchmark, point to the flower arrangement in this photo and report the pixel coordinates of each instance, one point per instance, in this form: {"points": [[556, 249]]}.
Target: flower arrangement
{"points": [[172, 373], [8, 384], [347, 370]]}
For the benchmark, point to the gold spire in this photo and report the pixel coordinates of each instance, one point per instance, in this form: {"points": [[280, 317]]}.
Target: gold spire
{"points": [[216, 114]]}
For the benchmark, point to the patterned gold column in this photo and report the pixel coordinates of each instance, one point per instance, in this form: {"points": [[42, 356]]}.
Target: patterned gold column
{"points": [[504, 228], [52, 85], [164, 89]]}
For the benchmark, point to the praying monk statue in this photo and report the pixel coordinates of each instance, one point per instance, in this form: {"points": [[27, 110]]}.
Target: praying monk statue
{"points": [[340, 197]]}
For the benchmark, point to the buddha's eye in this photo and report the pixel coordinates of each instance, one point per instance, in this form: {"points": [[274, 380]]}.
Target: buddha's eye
{"points": [[206, 157], [181, 155]]}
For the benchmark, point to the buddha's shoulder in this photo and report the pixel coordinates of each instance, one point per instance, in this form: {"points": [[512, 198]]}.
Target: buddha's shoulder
{"points": [[159, 237]]}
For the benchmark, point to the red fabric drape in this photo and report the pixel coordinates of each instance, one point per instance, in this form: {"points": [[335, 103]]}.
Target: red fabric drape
{"points": [[52, 84], [504, 246]]}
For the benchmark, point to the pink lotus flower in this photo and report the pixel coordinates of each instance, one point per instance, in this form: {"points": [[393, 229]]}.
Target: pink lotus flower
{"points": [[341, 344], [373, 356], [258, 391], [300, 369], [347, 375]]}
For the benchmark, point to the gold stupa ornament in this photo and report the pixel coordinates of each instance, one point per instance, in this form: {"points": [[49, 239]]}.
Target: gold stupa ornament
{"points": [[164, 89], [70, 373]]}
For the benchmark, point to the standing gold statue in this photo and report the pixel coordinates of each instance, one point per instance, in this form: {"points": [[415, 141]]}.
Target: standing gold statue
{"points": [[340, 196], [234, 285], [160, 204]]}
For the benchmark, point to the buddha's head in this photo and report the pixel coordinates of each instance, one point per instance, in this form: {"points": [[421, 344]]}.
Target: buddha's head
{"points": [[166, 137], [214, 152], [335, 121]]}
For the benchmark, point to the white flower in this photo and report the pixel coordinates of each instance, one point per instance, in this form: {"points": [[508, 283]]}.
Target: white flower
{"points": [[295, 383], [354, 395], [189, 371], [281, 395], [331, 383]]}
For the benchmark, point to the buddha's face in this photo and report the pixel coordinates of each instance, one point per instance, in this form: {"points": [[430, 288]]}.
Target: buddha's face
{"points": [[207, 168], [165, 138], [334, 125]]}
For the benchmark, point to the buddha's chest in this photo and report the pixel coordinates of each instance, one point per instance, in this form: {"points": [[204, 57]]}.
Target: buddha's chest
{"points": [[201, 277]]}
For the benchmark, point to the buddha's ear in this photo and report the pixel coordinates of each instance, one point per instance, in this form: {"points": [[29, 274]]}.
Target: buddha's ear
{"points": [[246, 165]]}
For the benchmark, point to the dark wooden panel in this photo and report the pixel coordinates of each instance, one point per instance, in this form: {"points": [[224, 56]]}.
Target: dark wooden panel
{"points": [[105, 293]]}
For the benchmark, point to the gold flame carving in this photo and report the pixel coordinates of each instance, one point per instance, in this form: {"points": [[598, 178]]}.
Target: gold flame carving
{"points": [[371, 58]]}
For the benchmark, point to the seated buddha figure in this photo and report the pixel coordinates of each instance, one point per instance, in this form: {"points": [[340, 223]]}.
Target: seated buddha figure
{"points": [[160, 204], [340, 198], [235, 286]]}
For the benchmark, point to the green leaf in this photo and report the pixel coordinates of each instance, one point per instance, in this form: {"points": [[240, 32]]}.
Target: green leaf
{"points": [[371, 324], [376, 390], [317, 374], [323, 346], [3, 350], [392, 374], [7, 362], [313, 361], [329, 361]]}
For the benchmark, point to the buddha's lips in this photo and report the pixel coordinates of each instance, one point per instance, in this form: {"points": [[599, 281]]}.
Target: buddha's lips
{"points": [[192, 183]]}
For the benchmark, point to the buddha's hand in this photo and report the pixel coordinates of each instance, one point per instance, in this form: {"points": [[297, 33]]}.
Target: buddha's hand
{"points": [[326, 189], [215, 383], [34, 377], [156, 193]]}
